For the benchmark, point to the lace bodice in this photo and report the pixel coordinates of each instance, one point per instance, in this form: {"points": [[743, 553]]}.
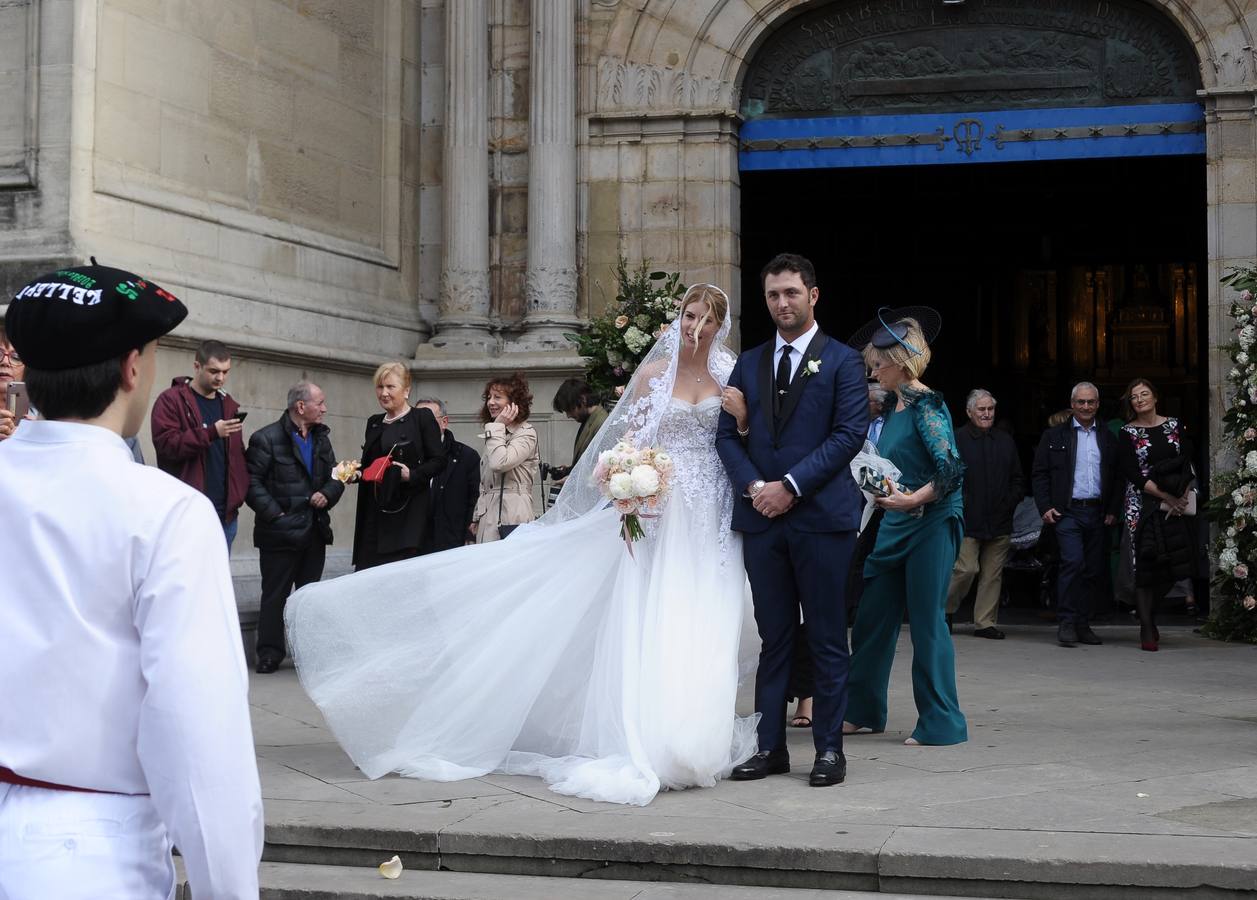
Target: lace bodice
{"points": [[688, 432]]}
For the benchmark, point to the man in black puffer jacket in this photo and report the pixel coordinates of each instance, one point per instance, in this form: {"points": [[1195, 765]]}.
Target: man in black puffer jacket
{"points": [[291, 489]]}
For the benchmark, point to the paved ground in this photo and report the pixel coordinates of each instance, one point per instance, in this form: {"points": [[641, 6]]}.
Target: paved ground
{"points": [[1103, 762]]}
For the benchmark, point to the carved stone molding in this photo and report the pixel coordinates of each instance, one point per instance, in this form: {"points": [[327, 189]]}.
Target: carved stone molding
{"points": [[629, 86], [551, 288], [464, 291]]}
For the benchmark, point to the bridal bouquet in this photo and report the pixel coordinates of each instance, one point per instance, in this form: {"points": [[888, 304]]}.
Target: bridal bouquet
{"points": [[636, 481]]}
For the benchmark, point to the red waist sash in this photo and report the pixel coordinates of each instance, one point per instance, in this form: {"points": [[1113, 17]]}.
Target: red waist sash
{"points": [[8, 776]]}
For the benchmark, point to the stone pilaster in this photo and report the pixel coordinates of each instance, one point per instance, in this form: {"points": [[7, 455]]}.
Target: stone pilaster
{"points": [[464, 298], [551, 279]]}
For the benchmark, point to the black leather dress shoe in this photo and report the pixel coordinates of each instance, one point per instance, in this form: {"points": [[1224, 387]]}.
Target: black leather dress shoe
{"points": [[267, 664], [1087, 636], [1066, 634], [761, 765], [992, 633], [830, 768]]}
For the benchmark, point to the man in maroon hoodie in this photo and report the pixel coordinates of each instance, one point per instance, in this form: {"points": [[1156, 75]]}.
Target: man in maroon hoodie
{"points": [[197, 434]]}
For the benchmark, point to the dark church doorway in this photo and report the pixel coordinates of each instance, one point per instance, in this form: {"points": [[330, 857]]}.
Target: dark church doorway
{"points": [[1046, 273]]}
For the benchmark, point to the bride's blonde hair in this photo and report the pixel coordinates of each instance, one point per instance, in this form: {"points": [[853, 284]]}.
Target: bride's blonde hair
{"points": [[716, 300]]}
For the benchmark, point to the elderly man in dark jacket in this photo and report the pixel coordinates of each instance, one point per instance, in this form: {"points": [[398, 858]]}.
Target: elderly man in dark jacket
{"points": [[454, 490], [1077, 489], [993, 488], [291, 489]]}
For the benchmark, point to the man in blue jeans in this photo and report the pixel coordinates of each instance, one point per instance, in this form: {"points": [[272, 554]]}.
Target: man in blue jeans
{"points": [[1077, 490]]}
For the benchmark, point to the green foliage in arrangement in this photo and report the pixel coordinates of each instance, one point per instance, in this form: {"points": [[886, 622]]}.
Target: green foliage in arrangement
{"points": [[617, 341]]}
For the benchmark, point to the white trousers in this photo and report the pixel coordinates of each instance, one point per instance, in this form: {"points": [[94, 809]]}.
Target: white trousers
{"points": [[71, 845]]}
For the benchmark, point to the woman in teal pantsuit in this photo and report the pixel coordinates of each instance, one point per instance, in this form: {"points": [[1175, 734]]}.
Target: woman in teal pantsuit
{"points": [[916, 548]]}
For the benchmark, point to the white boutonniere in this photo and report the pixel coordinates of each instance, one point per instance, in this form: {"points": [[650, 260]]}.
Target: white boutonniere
{"points": [[813, 367]]}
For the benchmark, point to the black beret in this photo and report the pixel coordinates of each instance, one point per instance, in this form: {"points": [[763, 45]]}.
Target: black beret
{"points": [[76, 317]]}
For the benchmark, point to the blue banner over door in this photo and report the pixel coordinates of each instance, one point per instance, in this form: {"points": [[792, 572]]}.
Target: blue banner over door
{"points": [[1161, 129]]}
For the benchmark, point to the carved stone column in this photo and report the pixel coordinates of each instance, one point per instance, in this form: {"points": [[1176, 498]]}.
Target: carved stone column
{"points": [[464, 301], [551, 280]]}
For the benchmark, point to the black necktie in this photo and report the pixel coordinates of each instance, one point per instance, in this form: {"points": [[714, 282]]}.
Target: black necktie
{"points": [[783, 379]]}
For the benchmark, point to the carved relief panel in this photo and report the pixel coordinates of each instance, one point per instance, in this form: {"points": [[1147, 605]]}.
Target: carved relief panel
{"points": [[916, 55]]}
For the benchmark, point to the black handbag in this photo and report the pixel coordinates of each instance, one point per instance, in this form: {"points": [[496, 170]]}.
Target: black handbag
{"points": [[504, 531]]}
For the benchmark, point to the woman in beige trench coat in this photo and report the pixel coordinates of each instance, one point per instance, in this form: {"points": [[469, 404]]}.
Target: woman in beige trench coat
{"points": [[510, 461]]}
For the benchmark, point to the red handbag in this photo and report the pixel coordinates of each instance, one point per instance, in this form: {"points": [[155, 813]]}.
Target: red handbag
{"points": [[375, 471]]}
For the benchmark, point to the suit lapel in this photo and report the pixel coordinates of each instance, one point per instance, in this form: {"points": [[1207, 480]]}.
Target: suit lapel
{"points": [[814, 349], [766, 385]]}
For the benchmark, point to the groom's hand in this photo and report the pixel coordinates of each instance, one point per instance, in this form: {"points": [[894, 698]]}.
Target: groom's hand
{"points": [[773, 500]]}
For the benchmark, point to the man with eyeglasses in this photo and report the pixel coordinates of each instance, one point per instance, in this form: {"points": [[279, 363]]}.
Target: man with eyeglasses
{"points": [[1076, 491]]}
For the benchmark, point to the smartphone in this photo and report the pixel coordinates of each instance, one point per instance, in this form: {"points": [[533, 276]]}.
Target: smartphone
{"points": [[15, 399], [240, 416]]}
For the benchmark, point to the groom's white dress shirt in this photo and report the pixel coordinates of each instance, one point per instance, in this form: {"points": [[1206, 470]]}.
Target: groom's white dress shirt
{"points": [[798, 347], [122, 661]]}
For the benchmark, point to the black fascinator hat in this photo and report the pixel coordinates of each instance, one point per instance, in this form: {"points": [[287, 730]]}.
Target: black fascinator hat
{"points": [[888, 328]]}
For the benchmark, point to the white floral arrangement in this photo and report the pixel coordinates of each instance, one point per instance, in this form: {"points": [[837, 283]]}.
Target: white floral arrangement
{"points": [[636, 481], [1235, 508]]}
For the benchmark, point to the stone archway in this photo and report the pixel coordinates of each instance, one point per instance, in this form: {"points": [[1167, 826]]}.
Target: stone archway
{"points": [[663, 87]]}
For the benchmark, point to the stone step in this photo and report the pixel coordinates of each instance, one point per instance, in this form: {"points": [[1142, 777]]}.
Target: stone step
{"points": [[291, 881], [794, 857]]}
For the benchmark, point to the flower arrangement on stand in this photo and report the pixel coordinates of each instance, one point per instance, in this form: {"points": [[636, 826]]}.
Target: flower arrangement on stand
{"points": [[1234, 506], [617, 341]]}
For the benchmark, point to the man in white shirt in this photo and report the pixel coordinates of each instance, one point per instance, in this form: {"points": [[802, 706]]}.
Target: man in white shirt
{"points": [[125, 724]]}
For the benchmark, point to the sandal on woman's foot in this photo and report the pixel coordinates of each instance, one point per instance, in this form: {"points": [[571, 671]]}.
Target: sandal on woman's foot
{"points": [[911, 742], [801, 722]]}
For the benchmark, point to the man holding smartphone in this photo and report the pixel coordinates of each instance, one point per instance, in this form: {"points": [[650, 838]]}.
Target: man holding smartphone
{"points": [[197, 434], [125, 722]]}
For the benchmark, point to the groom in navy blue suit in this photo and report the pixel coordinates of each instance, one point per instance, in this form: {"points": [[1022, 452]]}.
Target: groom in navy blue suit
{"points": [[798, 508]]}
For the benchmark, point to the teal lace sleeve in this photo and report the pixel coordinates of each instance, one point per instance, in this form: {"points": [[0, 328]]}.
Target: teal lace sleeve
{"points": [[933, 423]]}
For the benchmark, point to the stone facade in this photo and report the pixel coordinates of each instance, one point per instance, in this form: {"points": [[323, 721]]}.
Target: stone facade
{"points": [[333, 183]]}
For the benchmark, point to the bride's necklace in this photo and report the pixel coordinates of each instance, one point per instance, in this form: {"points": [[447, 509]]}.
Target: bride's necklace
{"points": [[698, 379]]}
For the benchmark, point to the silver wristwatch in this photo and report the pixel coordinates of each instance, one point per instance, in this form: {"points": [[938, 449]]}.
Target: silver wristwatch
{"points": [[756, 486]]}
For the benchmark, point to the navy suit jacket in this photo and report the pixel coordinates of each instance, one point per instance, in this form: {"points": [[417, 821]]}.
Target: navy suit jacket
{"points": [[822, 426]]}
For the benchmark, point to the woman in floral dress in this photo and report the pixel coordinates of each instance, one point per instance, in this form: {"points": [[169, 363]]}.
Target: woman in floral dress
{"points": [[1154, 456]]}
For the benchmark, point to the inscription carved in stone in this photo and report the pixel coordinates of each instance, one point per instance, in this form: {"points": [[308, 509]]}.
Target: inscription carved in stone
{"points": [[917, 55]]}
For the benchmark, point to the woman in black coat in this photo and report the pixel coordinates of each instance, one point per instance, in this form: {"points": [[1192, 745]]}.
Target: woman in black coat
{"points": [[394, 514], [1154, 456]]}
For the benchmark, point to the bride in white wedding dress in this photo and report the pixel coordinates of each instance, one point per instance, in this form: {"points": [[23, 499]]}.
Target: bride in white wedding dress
{"points": [[556, 653]]}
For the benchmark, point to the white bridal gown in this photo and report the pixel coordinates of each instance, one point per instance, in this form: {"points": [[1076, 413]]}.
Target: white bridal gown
{"points": [[554, 653]]}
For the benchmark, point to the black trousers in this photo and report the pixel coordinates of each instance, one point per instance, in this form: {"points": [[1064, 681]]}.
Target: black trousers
{"points": [[282, 572]]}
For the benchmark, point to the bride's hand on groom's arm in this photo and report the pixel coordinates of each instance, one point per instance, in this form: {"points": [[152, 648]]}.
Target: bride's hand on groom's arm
{"points": [[733, 402]]}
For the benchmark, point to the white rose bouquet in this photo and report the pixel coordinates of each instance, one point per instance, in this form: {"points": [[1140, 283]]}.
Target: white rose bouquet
{"points": [[636, 481]]}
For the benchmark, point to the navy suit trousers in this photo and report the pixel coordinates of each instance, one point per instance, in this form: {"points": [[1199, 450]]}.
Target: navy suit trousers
{"points": [[789, 569]]}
